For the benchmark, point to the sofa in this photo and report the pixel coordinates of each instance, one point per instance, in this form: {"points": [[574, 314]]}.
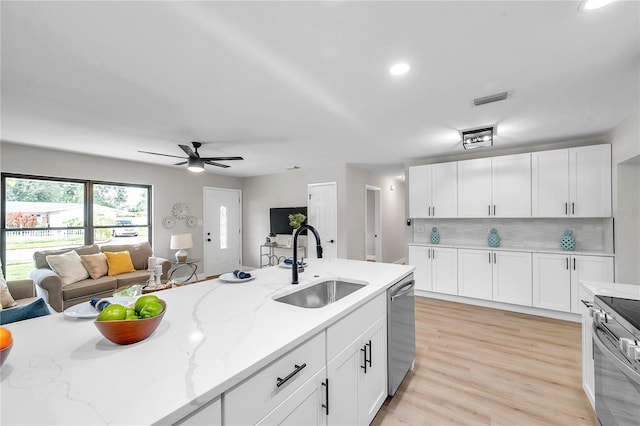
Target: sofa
{"points": [[62, 283]]}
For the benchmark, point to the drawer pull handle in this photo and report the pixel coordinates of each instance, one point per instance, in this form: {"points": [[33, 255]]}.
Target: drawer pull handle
{"points": [[326, 393], [364, 351], [298, 368]]}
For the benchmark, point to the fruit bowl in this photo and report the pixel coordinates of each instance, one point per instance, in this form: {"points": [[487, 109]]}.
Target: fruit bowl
{"points": [[4, 353], [126, 332]]}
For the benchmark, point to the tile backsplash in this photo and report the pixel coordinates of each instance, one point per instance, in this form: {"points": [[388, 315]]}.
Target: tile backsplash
{"points": [[593, 234]]}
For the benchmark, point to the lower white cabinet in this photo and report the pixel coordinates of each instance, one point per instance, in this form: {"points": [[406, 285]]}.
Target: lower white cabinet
{"points": [[357, 365], [210, 414], [501, 276], [250, 401], [305, 406], [436, 268], [556, 278]]}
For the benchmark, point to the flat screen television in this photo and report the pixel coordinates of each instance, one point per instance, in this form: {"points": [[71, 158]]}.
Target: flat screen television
{"points": [[279, 217]]}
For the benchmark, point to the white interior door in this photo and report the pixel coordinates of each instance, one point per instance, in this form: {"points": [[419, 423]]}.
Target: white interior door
{"points": [[222, 230], [322, 212], [373, 241]]}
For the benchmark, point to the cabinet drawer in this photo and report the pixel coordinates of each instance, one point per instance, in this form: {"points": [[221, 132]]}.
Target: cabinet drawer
{"points": [[252, 399], [345, 331]]}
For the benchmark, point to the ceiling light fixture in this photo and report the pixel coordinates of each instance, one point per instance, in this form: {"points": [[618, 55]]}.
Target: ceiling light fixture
{"points": [[593, 4], [196, 165], [400, 68], [477, 138]]}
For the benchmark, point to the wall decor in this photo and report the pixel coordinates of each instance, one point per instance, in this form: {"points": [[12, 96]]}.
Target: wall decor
{"points": [[191, 221], [435, 236], [494, 239], [180, 210], [568, 241], [168, 222]]}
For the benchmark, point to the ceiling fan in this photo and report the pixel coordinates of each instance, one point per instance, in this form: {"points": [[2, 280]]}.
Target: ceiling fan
{"points": [[194, 161]]}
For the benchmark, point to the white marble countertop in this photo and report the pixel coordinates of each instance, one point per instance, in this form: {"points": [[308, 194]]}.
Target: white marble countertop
{"points": [[520, 249], [213, 335], [627, 291]]}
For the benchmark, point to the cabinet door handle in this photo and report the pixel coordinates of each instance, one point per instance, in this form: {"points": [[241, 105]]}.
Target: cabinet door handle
{"points": [[489, 209], [573, 208], [297, 369], [364, 363], [566, 263], [433, 210], [574, 263], [370, 357], [494, 257], [433, 253], [326, 395], [566, 208], [489, 257], [494, 209]]}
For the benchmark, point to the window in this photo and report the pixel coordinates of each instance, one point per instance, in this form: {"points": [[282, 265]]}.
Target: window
{"points": [[41, 213]]}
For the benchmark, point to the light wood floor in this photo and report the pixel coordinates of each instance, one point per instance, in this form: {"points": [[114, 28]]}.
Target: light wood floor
{"points": [[481, 366]]}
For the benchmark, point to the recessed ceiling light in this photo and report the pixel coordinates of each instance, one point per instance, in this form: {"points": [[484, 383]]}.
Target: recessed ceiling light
{"points": [[593, 4], [399, 68]]}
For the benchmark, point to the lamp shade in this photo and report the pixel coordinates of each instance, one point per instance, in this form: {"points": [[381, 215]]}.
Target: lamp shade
{"points": [[181, 241]]}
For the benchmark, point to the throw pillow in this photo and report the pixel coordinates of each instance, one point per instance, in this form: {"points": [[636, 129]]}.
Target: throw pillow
{"points": [[6, 300], [69, 266], [37, 308], [95, 264], [119, 262]]}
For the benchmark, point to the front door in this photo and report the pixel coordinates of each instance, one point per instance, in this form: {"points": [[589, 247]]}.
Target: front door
{"points": [[322, 209], [222, 230]]}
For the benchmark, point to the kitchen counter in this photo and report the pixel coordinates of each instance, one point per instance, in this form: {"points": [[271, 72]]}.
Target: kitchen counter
{"points": [[627, 291], [213, 335], [519, 249]]}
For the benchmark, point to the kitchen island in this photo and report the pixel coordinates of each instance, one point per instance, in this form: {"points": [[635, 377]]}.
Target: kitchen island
{"points": [[213, 336]]}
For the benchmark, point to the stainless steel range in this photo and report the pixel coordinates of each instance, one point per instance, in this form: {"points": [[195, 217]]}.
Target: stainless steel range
{"points": [[616, 355]]}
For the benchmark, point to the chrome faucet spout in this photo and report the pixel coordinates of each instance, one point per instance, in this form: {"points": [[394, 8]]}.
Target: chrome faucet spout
{"points": [[294, 266]]}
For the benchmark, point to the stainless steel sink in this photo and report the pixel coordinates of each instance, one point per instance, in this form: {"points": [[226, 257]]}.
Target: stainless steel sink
{"points": [[321, 294]]}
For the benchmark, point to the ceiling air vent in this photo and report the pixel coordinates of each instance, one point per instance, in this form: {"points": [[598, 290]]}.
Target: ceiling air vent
{"points": [[491, 98]]}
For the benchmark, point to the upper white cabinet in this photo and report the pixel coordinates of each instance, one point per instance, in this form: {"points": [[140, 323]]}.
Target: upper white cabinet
{"points": [[495, 187], [433, 190], [574, 182]]}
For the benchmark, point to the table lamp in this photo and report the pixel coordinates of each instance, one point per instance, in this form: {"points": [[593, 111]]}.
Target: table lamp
{"points": [[181, 242]]}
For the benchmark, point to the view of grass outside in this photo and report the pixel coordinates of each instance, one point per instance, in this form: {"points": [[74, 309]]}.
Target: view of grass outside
{"points": [[45, 214]]}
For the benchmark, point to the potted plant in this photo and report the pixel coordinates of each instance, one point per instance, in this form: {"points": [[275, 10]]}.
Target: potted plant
{"points": [[272, 237], [296, 220]]}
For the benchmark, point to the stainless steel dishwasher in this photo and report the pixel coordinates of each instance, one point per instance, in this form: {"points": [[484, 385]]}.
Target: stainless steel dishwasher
{"points": [[401, 331]]}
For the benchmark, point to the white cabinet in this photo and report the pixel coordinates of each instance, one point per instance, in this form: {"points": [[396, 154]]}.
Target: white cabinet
{"points": [[433, 190], [588, 376], [210, 414], [501, 276], [512, 277], [269, 388], [436, 268], [357, 367], [475, 273], [556, 278], [574, 182], [306, 406], [495, 187]]}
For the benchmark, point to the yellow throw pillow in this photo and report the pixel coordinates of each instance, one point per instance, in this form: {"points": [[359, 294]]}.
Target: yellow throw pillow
{"points": [[119, 262], [95, 264]]}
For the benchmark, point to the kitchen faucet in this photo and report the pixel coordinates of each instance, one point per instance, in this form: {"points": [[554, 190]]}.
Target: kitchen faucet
{"points": [[294, 266]]}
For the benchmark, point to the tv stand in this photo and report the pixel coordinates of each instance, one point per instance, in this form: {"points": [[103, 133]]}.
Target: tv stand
{"points": [[274, 254]]}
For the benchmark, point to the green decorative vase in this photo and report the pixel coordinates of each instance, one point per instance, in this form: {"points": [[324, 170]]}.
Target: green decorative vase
{"points": [[435, 236], [568, 241], [494, 239]]}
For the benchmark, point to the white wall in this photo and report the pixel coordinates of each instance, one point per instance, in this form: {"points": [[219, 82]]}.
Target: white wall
{"points": [[625, 158], [287, 189], [392, 214], [170, 184]]}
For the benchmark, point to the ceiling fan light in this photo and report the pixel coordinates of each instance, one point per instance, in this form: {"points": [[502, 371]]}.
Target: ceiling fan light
{"points": [[196, 165]]}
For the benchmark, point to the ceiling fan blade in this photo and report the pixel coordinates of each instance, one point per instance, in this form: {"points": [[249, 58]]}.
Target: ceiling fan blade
{"points": [[188, 151], [157, 153], [221, 158], [212, 163], [181, 163]]}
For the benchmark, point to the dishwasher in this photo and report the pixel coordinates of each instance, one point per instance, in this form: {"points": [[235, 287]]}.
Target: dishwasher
{"points": [[401, 331]]}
